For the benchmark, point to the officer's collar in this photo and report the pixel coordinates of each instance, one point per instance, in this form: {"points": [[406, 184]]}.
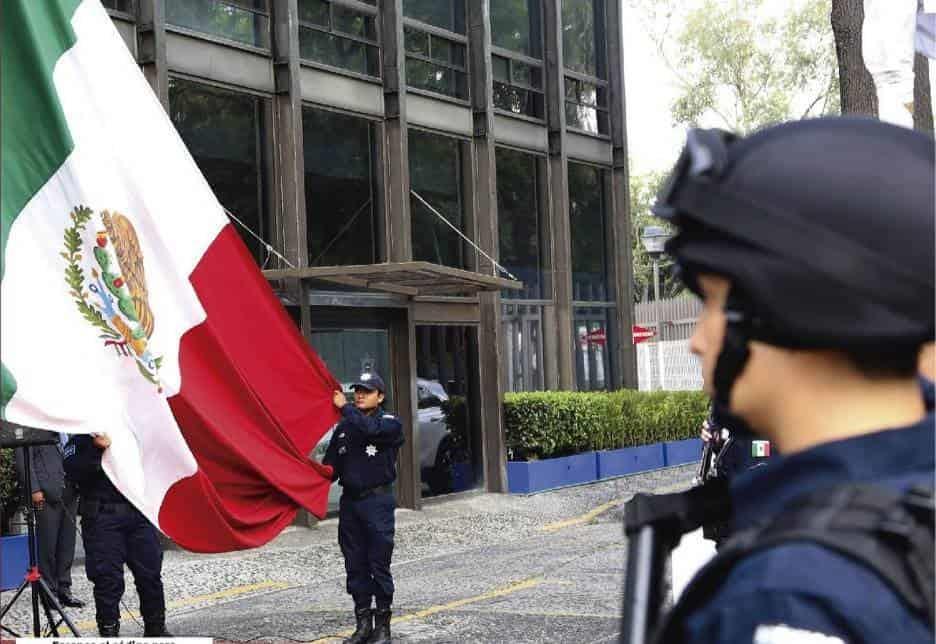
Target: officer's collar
{"points": [[894, 454]]}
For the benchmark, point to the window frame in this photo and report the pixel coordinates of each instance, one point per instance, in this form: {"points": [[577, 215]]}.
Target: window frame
{"points": [[359, 7], [128, 15], [264, 49], [607, 232], [513, 57], [437, 32]]}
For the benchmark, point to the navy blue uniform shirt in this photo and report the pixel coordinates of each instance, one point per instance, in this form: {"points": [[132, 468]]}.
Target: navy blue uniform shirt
{"points": [[363, 448], [82, 462], [799, 591]]}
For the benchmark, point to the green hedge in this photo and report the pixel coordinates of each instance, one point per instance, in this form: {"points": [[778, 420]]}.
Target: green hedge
{"points": [[548, 424]]}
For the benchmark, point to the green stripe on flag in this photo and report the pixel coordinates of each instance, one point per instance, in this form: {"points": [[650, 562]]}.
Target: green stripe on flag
{"points": [[34, 138]]}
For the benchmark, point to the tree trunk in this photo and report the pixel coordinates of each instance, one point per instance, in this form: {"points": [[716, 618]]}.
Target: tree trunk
{"points": [[922, 97], [859, 95]]}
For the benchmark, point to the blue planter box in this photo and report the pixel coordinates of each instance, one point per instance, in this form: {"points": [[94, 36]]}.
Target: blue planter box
{"points": [[682, 452], [630, 460], [462, 477], [524, 477], [14, 561]]}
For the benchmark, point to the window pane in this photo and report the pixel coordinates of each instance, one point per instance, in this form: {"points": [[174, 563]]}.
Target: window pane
{"points": [[340, 199], [353, 23], [334, 50], [435, 78], [119, 5], [314, 11], [435, 173], [518, 101], [416, 42], [518, 214], [446, 51], [592, 360], [523, 74], [587, 119], [583, 38], [501, 67], [447, 14], [523, 346], [219, 18], [515, 25], [587, 215], [221, 130]]}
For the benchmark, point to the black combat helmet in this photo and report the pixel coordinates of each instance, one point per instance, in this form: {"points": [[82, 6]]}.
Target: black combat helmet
{"points": [[825, 228]]}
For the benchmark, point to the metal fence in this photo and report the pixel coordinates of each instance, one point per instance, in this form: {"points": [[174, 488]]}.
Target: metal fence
{"points": [[665, 362]]}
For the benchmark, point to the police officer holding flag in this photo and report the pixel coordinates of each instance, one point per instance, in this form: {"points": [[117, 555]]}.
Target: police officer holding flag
{"points": [[363, 452]]}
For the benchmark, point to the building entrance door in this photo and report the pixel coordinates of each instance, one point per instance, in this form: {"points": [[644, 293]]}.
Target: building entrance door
{"points": [[448, 432]]}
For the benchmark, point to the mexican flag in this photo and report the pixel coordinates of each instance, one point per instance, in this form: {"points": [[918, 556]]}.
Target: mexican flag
{"points": [[760, 449], [130, 305]]}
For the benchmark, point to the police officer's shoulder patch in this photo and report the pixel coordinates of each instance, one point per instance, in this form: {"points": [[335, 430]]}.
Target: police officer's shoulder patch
{"points": [[69, 450], [390, 416], [783, 634]]}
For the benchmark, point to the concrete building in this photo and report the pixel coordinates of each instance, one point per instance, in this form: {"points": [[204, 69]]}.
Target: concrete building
{"points": [[365, 140]]}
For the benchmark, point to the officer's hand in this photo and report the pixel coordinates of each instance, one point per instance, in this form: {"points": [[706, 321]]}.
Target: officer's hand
{"points": [[339, 399], [38, 499], [102, 441], [705, 434]]}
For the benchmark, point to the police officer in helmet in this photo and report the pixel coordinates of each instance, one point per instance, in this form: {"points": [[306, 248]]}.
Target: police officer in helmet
{"points": [[812, 246], [115, 533], [363, 452]]}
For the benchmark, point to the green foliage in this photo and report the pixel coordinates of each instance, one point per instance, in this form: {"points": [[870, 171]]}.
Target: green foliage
{"points": [[9, 489], [643, 193], [742, 67], [559, 423]]}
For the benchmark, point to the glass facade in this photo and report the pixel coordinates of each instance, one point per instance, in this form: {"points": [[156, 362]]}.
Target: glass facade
{"points": [[243, 21], [340, 36], [436, 176], [223, 131], [516, 33], [587, 211], [125, 6], [586, 106], [436, 62], [583, 37], [519, 213], [341, 199], [522, 330]]}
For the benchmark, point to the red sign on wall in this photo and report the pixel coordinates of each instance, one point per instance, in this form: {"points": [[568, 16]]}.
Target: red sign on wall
{"points": [[642, 333], [597, 336]]}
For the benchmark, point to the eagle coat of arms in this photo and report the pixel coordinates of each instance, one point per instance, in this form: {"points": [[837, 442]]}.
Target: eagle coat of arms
{"points": [[120, 308]]}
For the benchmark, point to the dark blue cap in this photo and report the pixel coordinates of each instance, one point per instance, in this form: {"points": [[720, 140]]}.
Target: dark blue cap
{"points": [[371, 381]]}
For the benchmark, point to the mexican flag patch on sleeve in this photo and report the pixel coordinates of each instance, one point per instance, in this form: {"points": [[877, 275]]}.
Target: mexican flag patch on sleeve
{"points": [[760, 449]]}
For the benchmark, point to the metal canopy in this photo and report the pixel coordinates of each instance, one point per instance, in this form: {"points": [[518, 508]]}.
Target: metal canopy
{"points": [[403, 278]]}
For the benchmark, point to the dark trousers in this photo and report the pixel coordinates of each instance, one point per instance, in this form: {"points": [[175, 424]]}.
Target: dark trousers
{"points": [[56, 530], [365, 533], [116, 535]]}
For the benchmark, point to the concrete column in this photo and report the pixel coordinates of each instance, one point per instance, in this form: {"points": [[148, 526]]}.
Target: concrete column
{"points": [[621, 263], [151, 47], [558, 342]]}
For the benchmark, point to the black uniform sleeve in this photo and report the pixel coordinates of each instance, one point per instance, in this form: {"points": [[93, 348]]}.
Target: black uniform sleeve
{"points": [[381, 428], [82, 459], [19, 463], [331, 455]]}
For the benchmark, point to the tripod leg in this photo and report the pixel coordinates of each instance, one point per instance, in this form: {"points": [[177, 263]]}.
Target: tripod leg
{"points": [[6, 609], [49, 599]]}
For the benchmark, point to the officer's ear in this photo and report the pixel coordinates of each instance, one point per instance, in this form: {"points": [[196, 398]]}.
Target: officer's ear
{"points": [[380, 397]]}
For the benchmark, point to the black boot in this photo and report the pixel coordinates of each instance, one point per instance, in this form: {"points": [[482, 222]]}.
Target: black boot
{"points": [[365, 626], [108, 629], [381, 627], [155, 627]]}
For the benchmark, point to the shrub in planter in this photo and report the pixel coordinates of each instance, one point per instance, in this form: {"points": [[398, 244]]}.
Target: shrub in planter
{"points": [[558, 423]]}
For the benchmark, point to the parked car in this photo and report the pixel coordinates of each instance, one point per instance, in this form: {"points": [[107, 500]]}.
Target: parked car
{"points": [[437, 450]]}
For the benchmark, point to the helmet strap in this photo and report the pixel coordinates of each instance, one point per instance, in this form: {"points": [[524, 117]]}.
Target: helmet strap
{"points": [[735, 351]]}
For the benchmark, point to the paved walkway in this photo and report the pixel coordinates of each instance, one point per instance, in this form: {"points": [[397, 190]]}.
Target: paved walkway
{"points": [[487, 568]]}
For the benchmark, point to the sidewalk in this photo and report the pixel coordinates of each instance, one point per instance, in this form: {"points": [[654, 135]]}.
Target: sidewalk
{"points": [[466, 570]]}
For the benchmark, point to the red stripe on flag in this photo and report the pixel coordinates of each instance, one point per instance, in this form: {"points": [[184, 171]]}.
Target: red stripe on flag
{"points": [[255, 400]]}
